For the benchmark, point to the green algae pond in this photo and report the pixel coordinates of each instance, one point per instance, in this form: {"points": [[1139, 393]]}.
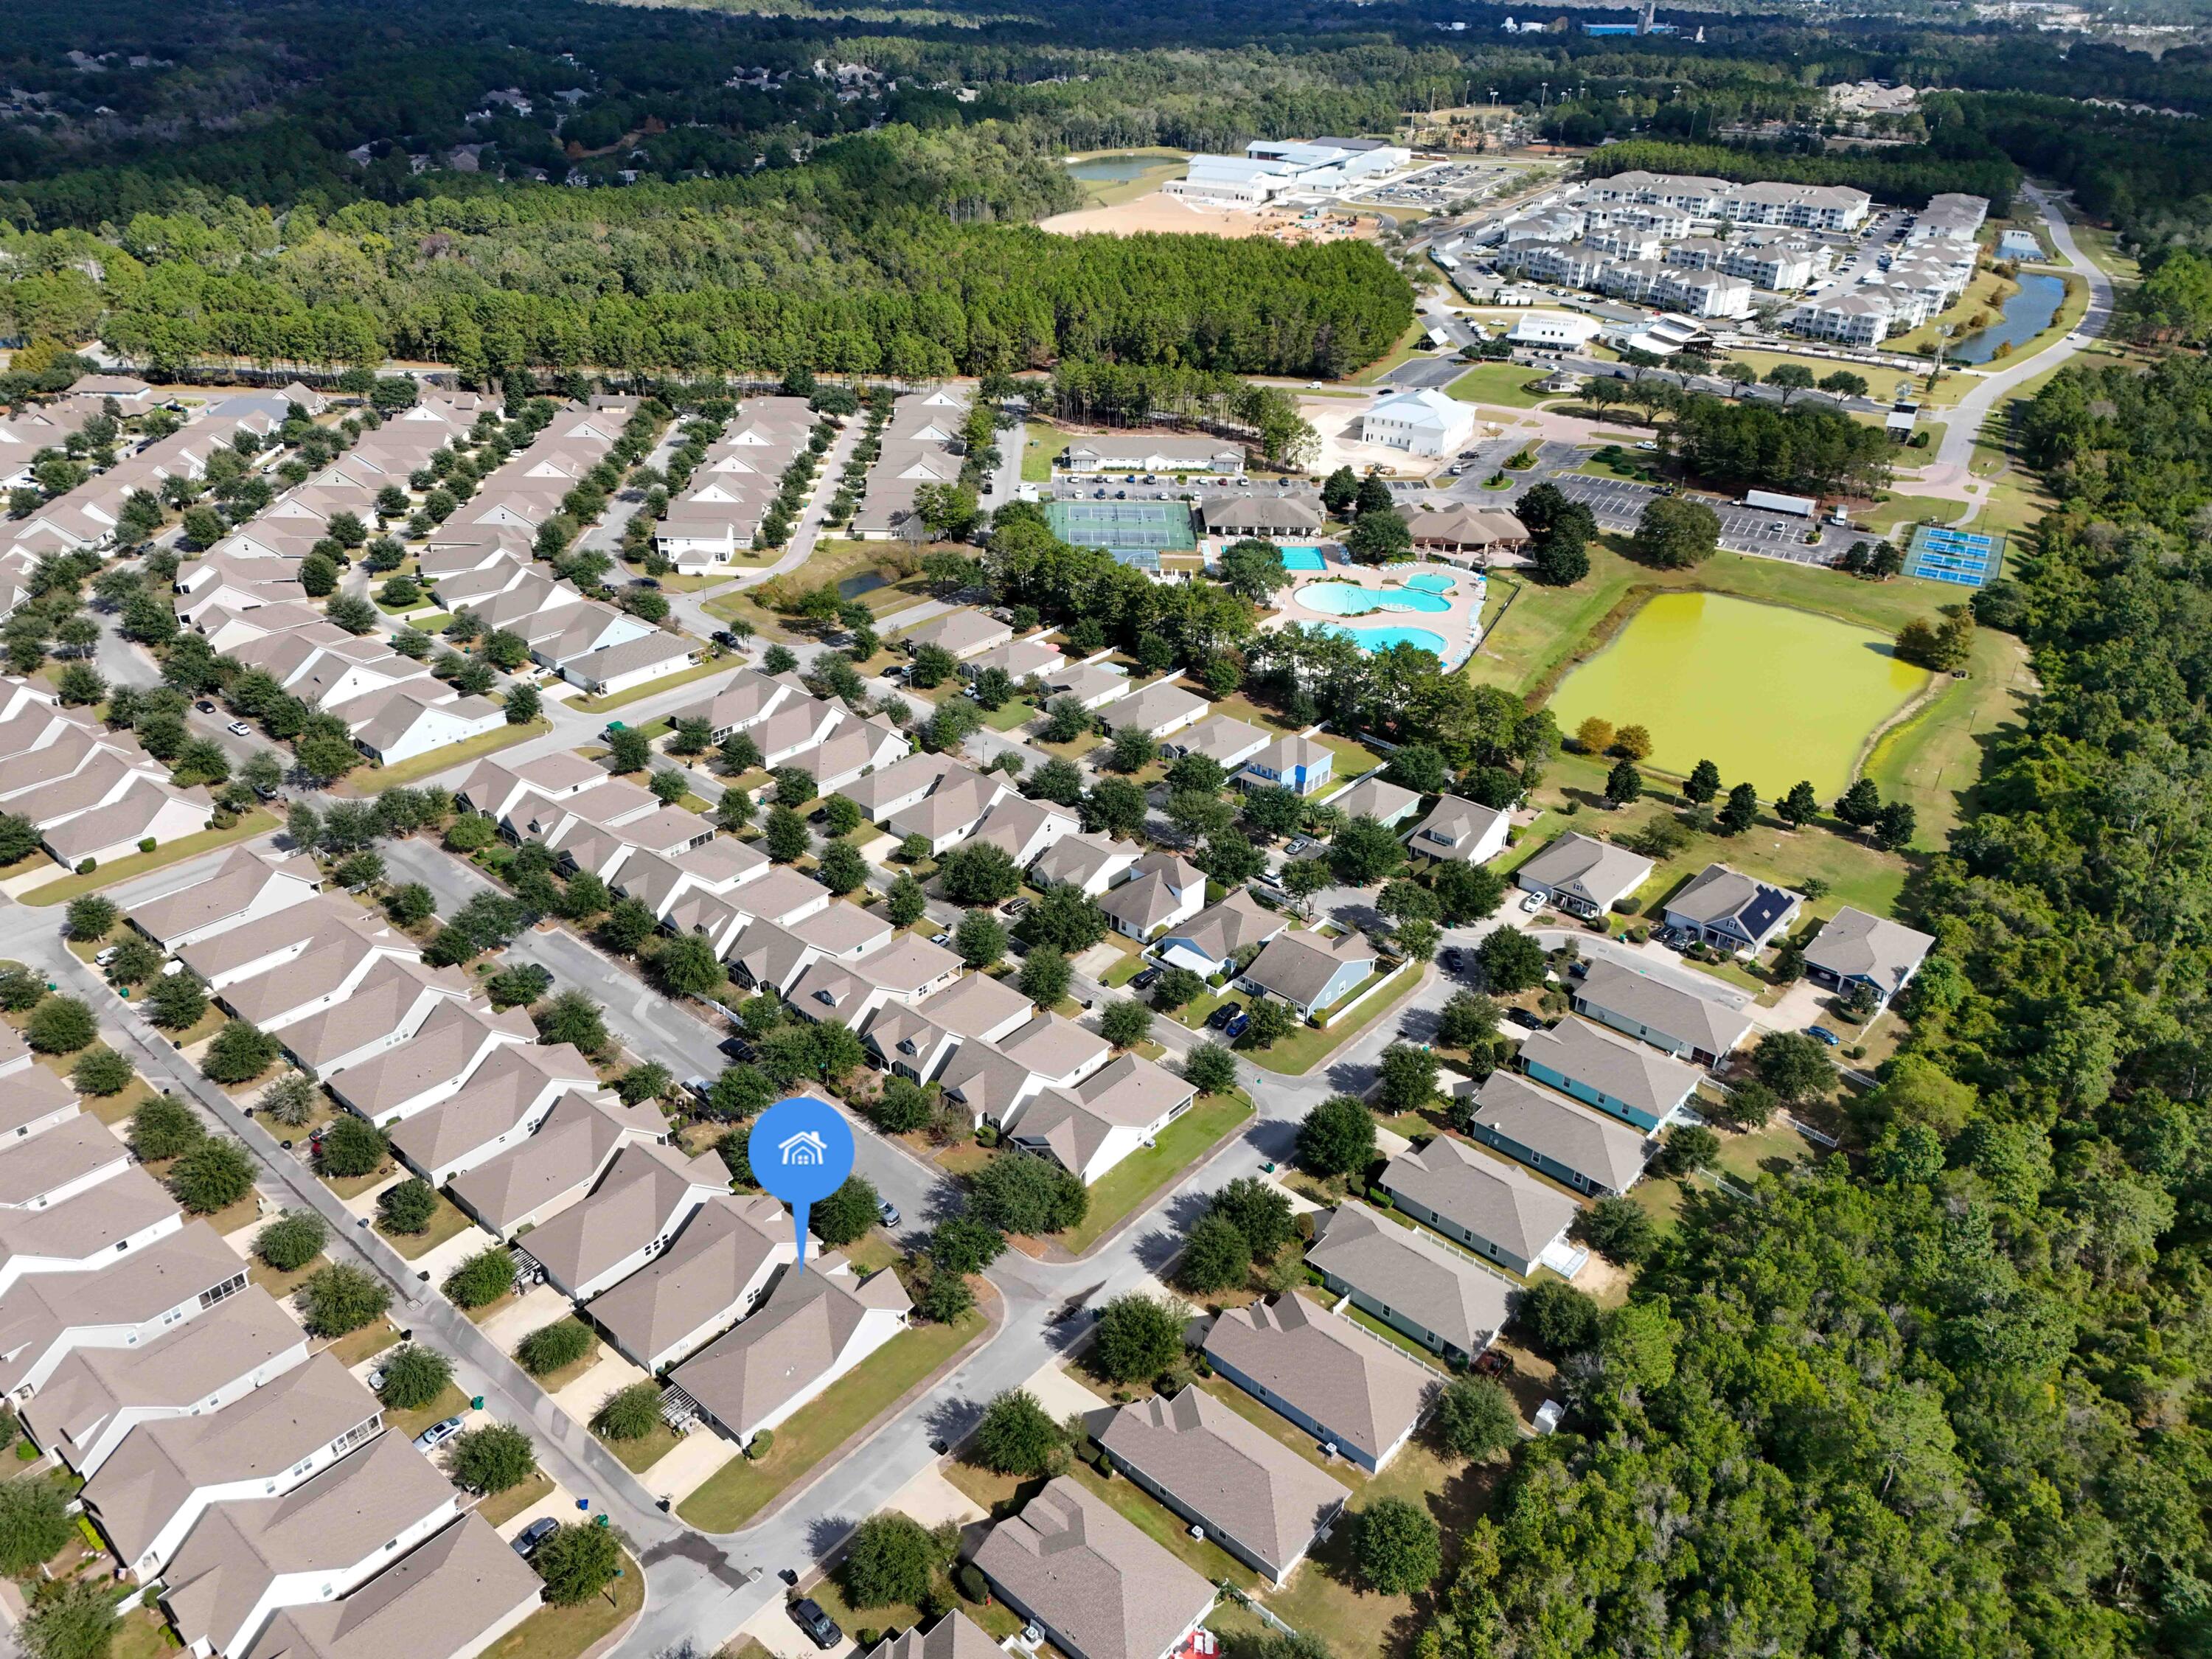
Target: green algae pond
{"points": [[1764, 691]]}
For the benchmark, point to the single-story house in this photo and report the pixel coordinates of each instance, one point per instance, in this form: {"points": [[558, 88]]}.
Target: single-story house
{"points": [[1388, 804], [1098, 1587], [953, 1636], [1309, 971], [1583, 875], [1090, 684], [814, 1328], [1227, 742], [1243, 1488], [1689, 1021], [1208, 942], [1089, 864], [1492, 1206], [1856, 949], [1463, 830], [713, 1274], [965, 633], [633, 663], [1561, 1138], [1090, 1127], [1636, 1084], [1411, 1280], [1159, 709], [1731, 911], [1352, 1392]]}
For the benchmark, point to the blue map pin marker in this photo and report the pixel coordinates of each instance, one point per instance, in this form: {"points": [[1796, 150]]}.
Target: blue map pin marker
{"points": [[801, 1152]]}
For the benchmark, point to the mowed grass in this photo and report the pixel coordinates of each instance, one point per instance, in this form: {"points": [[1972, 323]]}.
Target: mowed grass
{"points": [[139, 863], [563, 1633], [744, 1486], [1933, 759], [1136, 1178], [454, 754], [1505, 385]]}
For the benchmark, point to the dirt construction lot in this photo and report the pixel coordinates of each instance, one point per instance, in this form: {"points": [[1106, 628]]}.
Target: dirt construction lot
{"points": [[1160, 211]]}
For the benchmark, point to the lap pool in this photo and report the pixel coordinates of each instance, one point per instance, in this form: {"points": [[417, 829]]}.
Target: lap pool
{"points": [[1382, 639], [1303, 558], [1350, 599]]}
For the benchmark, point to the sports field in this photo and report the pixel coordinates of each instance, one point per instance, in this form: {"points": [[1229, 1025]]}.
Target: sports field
{"points": [[1132, 527]]}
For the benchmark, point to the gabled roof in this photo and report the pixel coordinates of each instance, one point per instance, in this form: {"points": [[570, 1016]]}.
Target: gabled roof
{"points": [[1494, 1199], [1578, 1137], [644, 1190], [1376, 798], [1858, 946], [1297, 966], [72, 1150], [1718, 894], [570, 1146], [1357, 1387], [442, 1598], [699, 1278], [1714, 1021], [1402, 1267], [1591, 869], [39, 1309], [793, 1339], [1221, 930], [1618, 1068], [1106, 1590], [952, 1637], [1241, 1481], [493, 1102]]}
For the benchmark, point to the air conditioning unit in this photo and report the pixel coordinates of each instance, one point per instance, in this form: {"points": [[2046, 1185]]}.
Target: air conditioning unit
{"points": [[1328, 1449]]}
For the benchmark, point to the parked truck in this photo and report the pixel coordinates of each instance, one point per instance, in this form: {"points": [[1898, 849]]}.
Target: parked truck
{"points": [[1801, 507]]}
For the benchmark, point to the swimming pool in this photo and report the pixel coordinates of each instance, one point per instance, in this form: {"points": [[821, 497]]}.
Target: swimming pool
{"points": [[1303, 558], [1430, 581], [1382, 639], [1350, 599]]}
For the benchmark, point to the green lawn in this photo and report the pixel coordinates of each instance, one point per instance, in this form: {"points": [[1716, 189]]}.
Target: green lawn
{"points": [[565, 1633], [502, 1507], [448, 1222], [369, 1341], [376, 781], [1309, 1045], [736, 1492], [1900, 512], [450, 1402], [642, 1454], [1934, 758], [1408, 343], [1136, 1178], [1505, 385], [139, 863], [651, 687]]}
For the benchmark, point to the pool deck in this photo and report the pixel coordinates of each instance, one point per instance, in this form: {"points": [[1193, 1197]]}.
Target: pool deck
{"points": [[1459, 625]]}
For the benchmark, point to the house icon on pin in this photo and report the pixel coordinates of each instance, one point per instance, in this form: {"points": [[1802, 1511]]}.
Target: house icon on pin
{"points": [[802, 1150]]}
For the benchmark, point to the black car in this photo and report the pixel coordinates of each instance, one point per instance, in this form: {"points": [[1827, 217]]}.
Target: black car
{"points": [[1453, 958], [205, 706], [723, 637], [1219, 1018], [527, 1540], [736, 1048], [1145, 981], [821, 1629], [1523, 1017]]}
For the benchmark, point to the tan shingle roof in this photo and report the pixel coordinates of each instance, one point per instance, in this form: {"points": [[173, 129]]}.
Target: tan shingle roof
{"points": [[1617, 1067], [1106, 1589], [1362, 1391], [644, 1191], [698, 1279], [1714, 1021], [952, 1637], [1858, 946], [1239, 1481], [441, 1599], [793, 1338], [1402, 1267], [1578, 1137], [40, 1308], [1496, 1201]]}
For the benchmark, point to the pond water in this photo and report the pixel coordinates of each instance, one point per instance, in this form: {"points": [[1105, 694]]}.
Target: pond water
{"points": [[1765, 692], [1114, 169], [2026, 315]]}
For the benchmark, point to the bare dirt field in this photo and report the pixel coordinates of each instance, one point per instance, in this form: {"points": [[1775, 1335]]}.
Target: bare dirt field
{"points": [[1159, 211]]}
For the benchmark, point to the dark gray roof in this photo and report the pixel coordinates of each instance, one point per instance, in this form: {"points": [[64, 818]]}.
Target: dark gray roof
{"points": [[1714, 1021], [1858, 946]]}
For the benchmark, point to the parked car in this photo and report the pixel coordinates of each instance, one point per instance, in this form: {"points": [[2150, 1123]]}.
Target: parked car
{"points": [[205, 706], [1522, 1016], [887, 1212], [821, 1629], [941, 939], [239, 729], [1015, 907], [527, 1540], [1453, 957], [723, 637], [1533, 903], [1822, 1034], [437, 1434], [1221, 1015], [106, 956], [1299, 844], [1238, 1023], [1144, 980]]}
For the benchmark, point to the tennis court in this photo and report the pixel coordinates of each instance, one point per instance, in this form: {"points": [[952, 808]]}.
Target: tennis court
{"points": [[1123, 526], [1965, 558]]}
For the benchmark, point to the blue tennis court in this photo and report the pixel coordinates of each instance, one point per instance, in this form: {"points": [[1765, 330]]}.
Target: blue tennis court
{"points": [[1964, 558]]}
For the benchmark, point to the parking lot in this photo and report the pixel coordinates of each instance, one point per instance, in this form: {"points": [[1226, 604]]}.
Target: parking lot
{"points": [[1619, 502], [1438, 372]]}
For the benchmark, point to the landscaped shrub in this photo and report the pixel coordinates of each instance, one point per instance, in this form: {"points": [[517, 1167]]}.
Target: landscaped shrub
{"points": [[484, 1276], [549, 1347]]}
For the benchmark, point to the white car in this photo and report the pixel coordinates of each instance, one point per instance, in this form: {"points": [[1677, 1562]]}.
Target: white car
{"points": [[239, 729], [1533, 903]]}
